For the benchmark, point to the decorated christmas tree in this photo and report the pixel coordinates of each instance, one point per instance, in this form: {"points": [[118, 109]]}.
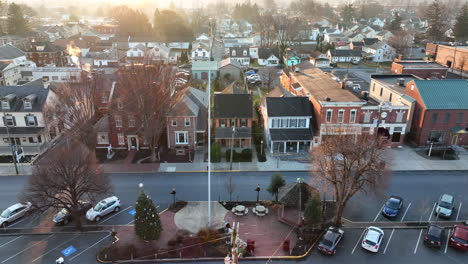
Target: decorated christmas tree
{"points": [[147, 222]]}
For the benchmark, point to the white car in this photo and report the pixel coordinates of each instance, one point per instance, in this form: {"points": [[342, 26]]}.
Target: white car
{"points": [[372, 239], [103, 208], [13, 213]]}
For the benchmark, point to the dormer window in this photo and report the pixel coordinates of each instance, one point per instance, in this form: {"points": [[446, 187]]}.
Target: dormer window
{"points": [[245, 52], [234, 53], [40, 48], [27, 104], [5, 104], [31, 120]]}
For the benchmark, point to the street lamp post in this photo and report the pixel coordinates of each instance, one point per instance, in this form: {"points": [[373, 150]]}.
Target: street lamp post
{"points": [[232, 144], [173, 192], [209, 126], [258, 191], [261, 147]]}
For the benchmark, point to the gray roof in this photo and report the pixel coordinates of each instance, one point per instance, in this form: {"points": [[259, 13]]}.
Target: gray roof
{"points": [[3, 66], [233, 105], [20, 92], [226, 132], [9, 52], [193, 103], [204, 65], [287, 134], [289, 194], [229, 61], [265, 53], [346, 53], [288, 106], [239, 52]]}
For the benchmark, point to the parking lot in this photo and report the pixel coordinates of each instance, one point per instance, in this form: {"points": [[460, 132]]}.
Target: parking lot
{"points": [[73, 247]]}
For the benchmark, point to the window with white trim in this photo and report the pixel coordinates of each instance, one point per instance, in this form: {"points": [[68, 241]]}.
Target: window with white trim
{"points": [[340, 116], [119, 104], [121, 138], [9, 120], [27, 104], [329, 116], [367, 116], [5, 104], [30, 120], [187, 121], [399, 117], [174, 123], [181, 137], [352, 116], [118, 121], [131, 121], [103, 138]]}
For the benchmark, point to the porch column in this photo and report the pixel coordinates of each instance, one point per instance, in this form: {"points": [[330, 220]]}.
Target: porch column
{"points": [[284, 144], [271, 147], [297, 150]]}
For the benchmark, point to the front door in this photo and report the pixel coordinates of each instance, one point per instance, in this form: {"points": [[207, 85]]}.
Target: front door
{"points": [[133, 143], [455, 140]]}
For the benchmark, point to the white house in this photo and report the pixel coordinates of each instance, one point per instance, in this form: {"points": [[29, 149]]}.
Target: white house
{"points": [[344, 55], [137, 51], [23, 118], [200, 51], [268, 57], [161, 53], [319, 60], [241, 55], [54, 74], [253, 51], [379, 52], [9, 73], [375, 21]]}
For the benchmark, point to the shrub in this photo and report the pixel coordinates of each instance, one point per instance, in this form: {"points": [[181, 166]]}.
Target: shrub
{"points": [[313, 211], [246, 155], [215, 152], [207, 235]]}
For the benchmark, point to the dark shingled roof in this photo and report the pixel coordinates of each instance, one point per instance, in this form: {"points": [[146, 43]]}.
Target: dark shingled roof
{"points": [[265, 53], [226, 132], [346, 53], [48, 47], [288, 106], [233, 105], [302, 134], [370, 41], [20, 92], [9, 52], [288, 195]]}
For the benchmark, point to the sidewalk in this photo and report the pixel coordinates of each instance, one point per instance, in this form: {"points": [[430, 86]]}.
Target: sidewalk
{"points": [[9, 169], [407, 159]]}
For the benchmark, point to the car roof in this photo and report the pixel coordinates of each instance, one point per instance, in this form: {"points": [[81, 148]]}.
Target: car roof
{"points": [[446, 198], [109, 199], [461, 232], [331, 235], [373, 234], [435, 230], [16, 206], [395, 197]]}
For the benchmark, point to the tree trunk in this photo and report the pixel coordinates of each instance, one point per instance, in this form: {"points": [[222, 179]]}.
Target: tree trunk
{"points": [[338, 214], [153, 152], [76, 218]]}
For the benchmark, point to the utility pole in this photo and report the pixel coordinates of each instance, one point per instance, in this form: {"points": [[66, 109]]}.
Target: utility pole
{"points": [[232, 144], [13, 156], [209, 126]]}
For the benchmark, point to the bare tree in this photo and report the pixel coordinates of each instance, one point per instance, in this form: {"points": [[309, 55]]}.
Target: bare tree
{"points": [[269, 76], [350, 164], [64, 177], [230, 187], [73, 110], [264, 24], [148, 92], [401, 41], [287, 32]]}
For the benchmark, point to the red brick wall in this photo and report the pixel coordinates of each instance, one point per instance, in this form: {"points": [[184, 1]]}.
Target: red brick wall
{"points": [[56, 58], [181, 127], [446, 53]]}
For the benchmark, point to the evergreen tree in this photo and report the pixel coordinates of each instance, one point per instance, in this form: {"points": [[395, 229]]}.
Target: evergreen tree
{"points": [[184, 57], [147, 222], [276, 183], [313, 211], [16, 23], [436, 19], [460, 30], [395, 25], [347, 13], [170, 26]]}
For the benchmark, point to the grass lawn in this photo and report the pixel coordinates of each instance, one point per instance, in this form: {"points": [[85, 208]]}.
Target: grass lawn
{"points": [[383, 65]]}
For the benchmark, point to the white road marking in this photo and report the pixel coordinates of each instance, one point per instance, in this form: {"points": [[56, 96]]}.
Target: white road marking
{"points": [[390, 238], [27, 248], [417, 243], [86, 249], [6, 243], [447, 240], [116, 214], [17, 222], [55, 248], [432, 211], [378, 213], [407, 208], [458, 212], [359, 240]]}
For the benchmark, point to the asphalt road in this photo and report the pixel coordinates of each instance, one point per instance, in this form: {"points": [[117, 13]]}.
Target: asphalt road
{"points": [[419, 189]]}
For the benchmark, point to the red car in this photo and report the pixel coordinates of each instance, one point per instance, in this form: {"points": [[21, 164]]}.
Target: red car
{"points": [[459, 238]]}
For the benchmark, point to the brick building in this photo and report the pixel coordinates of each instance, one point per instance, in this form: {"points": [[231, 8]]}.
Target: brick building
{"points": [[455, 57], [441, 111], [421, 68], [46, 53], [106, 29], [339, 111]]}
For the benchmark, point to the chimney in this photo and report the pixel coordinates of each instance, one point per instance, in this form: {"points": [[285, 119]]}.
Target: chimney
{"points": [[342, 85], [45, 82]]}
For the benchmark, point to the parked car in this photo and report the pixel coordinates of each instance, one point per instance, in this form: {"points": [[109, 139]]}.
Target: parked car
{"points": [[392, 207], [103, 208], [14, 213], [445, 206], [333, 64], [433, 237], [354, 61], [372, 239], [64, 216], [250, 72], [330, 240], [459, 238], [356, 87]]}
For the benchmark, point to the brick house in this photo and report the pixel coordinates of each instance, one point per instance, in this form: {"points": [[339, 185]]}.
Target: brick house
{"points": [[339, 111], [455, 57], [187, 122], [441, 112], [421, 68], [46, 53], [232, 118]]}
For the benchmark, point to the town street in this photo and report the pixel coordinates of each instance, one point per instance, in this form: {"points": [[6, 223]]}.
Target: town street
{"points": [[419, 189]]}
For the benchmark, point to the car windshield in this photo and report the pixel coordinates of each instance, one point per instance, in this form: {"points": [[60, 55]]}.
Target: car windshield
{"points": [[445, 205], [326, 242], [393, 203], [98, 206], [369, 242], [434, 231], [5, 213], [459, 240], [63, 211]]}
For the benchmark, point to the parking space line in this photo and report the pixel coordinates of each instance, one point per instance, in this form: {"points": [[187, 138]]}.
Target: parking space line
{"points": [[407, 208], [377, 216], [86, 249], [42, 240], [6, 243], [55, 248], [447, 240], [417, 243], [390, 238], [432, 211], [17, 222], [458, 212], [359, 240], [116, 214]]}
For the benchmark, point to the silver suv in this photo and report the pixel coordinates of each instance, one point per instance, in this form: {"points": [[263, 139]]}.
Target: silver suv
{"points": [[445, 206], [13, 213], [103, 208]]}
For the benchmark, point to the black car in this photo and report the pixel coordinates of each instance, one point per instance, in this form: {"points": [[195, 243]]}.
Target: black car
{"points": [[433, 237], [333, 64], [63, 217], [392, 207], [330, 240]]}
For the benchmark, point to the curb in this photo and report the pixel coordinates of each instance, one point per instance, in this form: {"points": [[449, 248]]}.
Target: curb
{"points": [[50, 233]]}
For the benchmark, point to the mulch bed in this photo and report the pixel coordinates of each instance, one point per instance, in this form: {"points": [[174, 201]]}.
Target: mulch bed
{"points": [[166, 156], [101, 155]]}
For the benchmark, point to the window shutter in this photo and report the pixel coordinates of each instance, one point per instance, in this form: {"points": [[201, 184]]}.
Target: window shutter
{"points": [[14, 120], [26, 120], [4, 121], [35, 121]]}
